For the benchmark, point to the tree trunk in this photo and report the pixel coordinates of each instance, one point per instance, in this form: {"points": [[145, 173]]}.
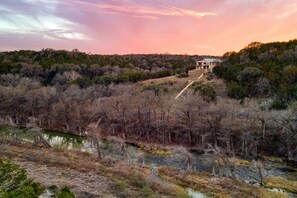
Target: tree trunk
{"points": [[98, 149], [263, 129], [190, 137], [67, 126], [242, 148]]}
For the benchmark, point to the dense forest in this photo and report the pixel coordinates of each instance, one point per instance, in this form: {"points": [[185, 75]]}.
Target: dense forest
{"points": [[62, 67], [262, 71], [63, 91]]}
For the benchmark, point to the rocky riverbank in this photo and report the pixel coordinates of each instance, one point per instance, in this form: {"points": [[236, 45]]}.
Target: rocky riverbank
{"points": [[88, 177]]}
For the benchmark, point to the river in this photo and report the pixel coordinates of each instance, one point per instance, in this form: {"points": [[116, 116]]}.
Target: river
{"points": [[176, 159]]}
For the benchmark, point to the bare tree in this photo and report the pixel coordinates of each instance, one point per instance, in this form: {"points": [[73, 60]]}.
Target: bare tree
{"points": [[37, 133], [223, 165], [188, 157], [94, 132]]}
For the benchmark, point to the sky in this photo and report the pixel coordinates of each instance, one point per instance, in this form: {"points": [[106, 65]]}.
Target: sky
{"points": [[205, 27]]}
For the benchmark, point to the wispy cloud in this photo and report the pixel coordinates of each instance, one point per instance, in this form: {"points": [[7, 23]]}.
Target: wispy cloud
{"points": [[288, 11], [141, 10], [43, 21], [145, 26]]}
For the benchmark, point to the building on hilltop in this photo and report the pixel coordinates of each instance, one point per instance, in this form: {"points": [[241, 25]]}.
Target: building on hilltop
{"points": [[208, 63]]}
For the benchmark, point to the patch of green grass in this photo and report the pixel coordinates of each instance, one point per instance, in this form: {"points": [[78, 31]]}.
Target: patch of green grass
{"points": [[120, 185], [65, 193], [138, 182], [182, 75], [146, 190]]}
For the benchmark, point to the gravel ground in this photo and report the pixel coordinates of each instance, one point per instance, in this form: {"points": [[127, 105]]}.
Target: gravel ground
{"points": [[82, 184], [85, 184]]}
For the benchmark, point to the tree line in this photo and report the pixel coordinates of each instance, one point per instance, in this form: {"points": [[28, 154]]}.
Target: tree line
{"points": [[62, 67], [262, 70]]}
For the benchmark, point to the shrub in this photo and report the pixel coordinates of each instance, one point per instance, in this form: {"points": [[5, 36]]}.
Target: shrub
{"points": [[146, 190], [220, 71], [120, 184], [235, 90], [278, 104], [210, 76], [133, 76], [104, 80], [182, 75], [138, 182], [82, 82], [248, 73], [162, 73], [65, 193], [156, 88], [207, 91], [14, 182]]}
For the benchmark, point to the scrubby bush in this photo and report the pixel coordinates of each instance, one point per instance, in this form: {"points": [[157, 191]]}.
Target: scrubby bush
{"points": [[14, 182], [156, 88], [206, 91], [182, 75], [65, 193]]}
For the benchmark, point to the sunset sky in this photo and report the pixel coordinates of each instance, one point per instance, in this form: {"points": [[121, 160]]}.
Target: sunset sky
{"points": [[145, 26]]}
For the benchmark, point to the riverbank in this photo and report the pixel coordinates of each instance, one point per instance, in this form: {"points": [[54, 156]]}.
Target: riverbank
{"points": [[84, 174], [88, 177]]}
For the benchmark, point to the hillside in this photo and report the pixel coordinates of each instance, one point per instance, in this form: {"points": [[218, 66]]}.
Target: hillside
{"points": [[262, 71], [60, 67], [145, 111], [87, 121]]}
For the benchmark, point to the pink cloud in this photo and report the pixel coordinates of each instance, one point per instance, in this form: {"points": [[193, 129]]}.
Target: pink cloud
{"points": [[148, 26], [140, 10]]}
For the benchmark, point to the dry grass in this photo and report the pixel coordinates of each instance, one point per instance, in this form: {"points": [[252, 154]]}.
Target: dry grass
{"points": [[282, 183], [216, 187], [193, 74], [155, 150], [273, 159], [242, 162], [85, 174]]}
